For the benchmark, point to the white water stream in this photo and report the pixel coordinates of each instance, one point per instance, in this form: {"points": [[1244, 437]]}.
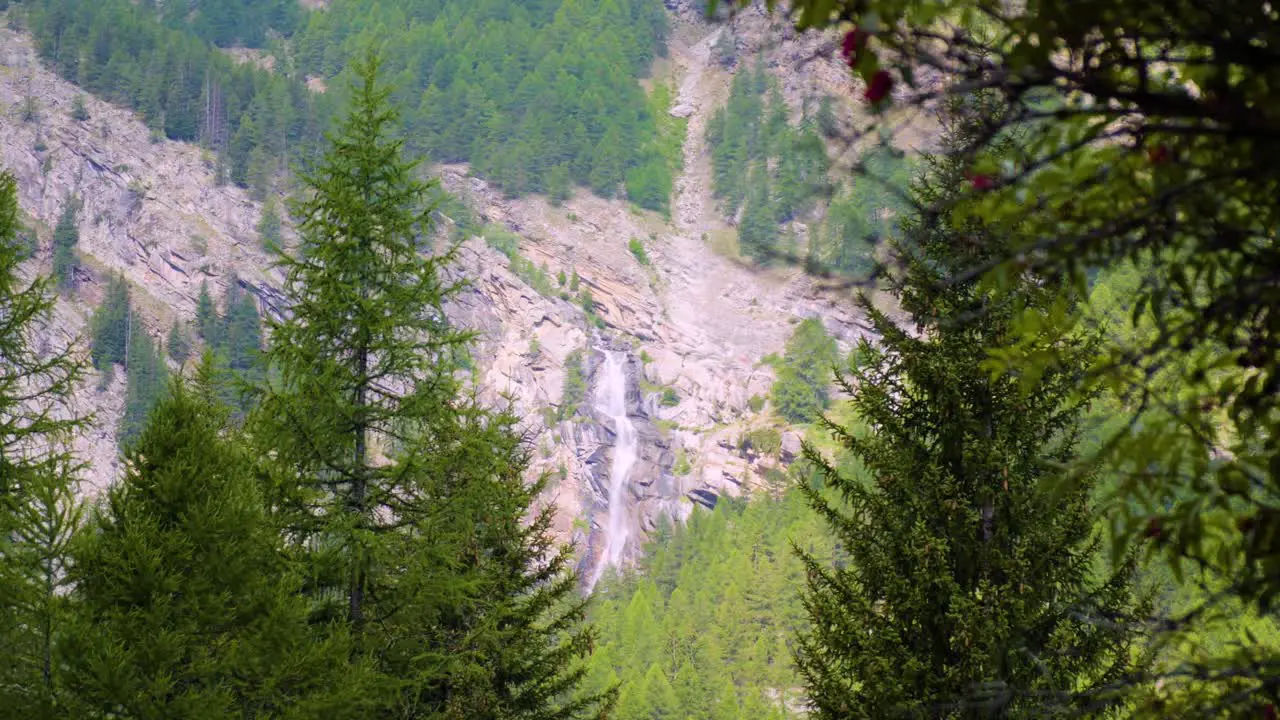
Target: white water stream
{"points": [[611, 401]]}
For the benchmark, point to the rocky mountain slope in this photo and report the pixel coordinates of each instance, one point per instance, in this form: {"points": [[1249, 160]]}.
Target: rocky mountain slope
{"points": [[692, 320]]}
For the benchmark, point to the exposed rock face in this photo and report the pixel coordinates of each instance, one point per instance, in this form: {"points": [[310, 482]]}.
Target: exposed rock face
{"points": [[692, 321]]}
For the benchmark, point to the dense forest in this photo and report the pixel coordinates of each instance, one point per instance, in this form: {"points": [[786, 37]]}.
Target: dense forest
{"points": [[702, 628], [768, 170], [536, 96]]}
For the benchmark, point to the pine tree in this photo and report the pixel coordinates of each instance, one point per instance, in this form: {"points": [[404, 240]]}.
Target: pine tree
{"points": [[208, 325], [65, 238], [183, 604], [146, 378], [178, 343], [269, 226], [37, 508], [970, 588], [109, 328], [404, 499]]}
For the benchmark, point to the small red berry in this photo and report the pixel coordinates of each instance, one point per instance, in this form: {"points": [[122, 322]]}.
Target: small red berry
{"points": [[879, 87], [854, 41], [978, 181], [1154, 529], [1158, 154], [1269, 712]]}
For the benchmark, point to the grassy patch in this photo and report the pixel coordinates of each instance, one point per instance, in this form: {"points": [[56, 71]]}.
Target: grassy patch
{"points": [[724, 242]]}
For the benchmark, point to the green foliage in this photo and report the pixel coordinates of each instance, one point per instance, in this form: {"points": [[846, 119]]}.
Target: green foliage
{"points": [[409, 513], [710, 613], [109, 328], [79, 112], [147, 378], [37, 479], [152, 58], [863, 214], [66, 235], [29, 110], [765, 441], [637, 249], [682, 466], [1185, 193], [801, 392], [178, 343], [966, 568], [208, 326], [508, 243], [516, 89], [270, 227], [670, 398], [183, 604], [762, 164], [574, 392], [756, 403]]}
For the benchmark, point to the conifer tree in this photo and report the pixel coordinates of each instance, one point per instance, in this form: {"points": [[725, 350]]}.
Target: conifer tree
{"points": [[184, 606], [969, 588], [109, 328], [65, 238], [404, 500], [37, 507], [207, 325], [178, 343]]}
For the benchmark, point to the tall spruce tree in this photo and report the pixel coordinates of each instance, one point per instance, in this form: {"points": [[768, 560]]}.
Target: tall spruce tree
{"points": [[65, 238], [969, 589], [403, 498], [37, 507], [183, 604]]}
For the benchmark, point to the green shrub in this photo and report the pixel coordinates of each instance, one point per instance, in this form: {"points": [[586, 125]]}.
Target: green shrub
{"points": [[575, 385], [682, 465], [637, 249], [670, 398], [764, 441], [756, 403]]}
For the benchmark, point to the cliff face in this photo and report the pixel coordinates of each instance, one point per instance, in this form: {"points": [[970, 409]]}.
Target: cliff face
{"points": [[691, 320]]}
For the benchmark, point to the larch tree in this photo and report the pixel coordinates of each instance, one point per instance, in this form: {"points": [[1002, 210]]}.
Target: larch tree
{"points": [[402, 497], [37, 476], [969, 585]]}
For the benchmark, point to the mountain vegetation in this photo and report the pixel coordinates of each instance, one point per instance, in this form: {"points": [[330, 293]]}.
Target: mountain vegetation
{"points": [[705, 626], [1046, 486], [764, 166], [535, 96]]}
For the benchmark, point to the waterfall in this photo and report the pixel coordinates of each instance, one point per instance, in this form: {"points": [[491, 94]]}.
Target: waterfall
{"points": [[611, 400]]}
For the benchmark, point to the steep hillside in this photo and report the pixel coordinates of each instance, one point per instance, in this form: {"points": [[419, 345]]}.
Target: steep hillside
{"points": [[690, 326]]}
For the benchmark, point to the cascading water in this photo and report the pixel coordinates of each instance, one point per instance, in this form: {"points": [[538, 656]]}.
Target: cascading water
{"points": [[611, 401]]}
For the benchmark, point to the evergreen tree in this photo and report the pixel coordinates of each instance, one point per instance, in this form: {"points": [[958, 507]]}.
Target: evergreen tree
{"points": [[65, 238], [208, 324], [178, 343], [78, 111], [404, 499], [970, 588], [146, 375], [184, 606], [37, 508], [801, 390], [269, 226], [109, 328]]}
